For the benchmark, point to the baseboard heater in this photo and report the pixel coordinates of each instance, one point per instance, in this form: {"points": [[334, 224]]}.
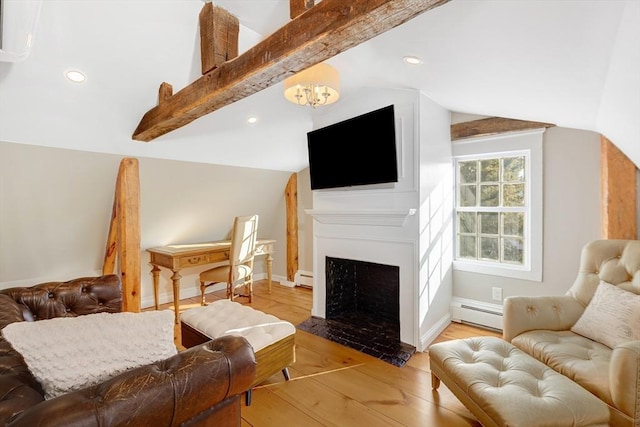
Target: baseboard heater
{"points": [[477, 313], [304, 279]]}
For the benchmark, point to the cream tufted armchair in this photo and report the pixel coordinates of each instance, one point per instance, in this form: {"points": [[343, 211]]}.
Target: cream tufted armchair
{"points": [[541, 326]]}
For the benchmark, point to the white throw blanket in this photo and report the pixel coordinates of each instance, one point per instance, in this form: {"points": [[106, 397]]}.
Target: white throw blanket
{"points": [[70, 353]]}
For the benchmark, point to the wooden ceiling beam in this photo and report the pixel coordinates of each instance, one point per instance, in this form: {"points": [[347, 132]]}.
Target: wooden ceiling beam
{"points": [[319, 33], [296, 7], [492, 126]]}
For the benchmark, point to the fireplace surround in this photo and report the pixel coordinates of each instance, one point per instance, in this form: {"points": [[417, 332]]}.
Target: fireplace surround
{"points": [[362, 309]]}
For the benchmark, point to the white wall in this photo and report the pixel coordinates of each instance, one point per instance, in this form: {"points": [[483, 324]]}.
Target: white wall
{"points": [[55, 208], [435, 213], [571, 218]]}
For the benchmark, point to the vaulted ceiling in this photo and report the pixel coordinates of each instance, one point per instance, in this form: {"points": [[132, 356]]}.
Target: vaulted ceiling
{"points": [[572, 63]]}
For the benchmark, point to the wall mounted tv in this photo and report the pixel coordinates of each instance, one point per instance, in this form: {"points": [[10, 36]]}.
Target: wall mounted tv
{"points": [[357, 151]]}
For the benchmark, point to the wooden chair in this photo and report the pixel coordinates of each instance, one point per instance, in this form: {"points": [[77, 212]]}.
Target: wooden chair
{"points": [[238, 272]]}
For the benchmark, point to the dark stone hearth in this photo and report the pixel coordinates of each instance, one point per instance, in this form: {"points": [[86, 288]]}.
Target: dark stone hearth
{"points": [[363, 334]]}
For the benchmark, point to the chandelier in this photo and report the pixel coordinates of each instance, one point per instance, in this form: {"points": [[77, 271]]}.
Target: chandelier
{"points": [[315, 86]]}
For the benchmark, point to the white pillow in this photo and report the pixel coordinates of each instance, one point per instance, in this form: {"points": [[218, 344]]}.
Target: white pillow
{"points": [[612, 316], [69, 353]]}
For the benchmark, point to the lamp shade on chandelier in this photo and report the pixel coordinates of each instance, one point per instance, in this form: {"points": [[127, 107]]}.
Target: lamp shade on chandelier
{"points": [[315, 86]]}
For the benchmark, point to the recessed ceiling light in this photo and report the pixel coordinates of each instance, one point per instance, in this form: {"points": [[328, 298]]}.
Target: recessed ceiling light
{"points": [[413, 60], [252, 120], [75, 76]]}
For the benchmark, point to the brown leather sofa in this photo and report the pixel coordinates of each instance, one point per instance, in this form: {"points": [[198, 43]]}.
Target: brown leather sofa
{"points": [[201, 386]]}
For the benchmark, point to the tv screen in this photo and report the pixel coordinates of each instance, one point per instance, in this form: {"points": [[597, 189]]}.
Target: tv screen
{"points": [[357, 151]]}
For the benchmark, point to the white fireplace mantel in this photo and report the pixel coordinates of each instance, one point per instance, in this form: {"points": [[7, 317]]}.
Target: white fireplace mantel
{"points": [[381, 217]]}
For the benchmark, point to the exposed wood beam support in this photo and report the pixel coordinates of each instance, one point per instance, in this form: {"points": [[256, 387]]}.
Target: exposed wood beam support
{"points": [[325, 30], [110, 253], [165, 92], [219, 31], [291, 199], [296, 7], [123, 240], [619, 193], [492, 126]]}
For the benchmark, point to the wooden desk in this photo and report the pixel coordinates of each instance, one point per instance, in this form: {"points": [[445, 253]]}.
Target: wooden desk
{"points": [[177, 257]]}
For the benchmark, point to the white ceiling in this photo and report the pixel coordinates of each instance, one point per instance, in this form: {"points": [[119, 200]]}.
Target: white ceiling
{"points": [[575, 63]]}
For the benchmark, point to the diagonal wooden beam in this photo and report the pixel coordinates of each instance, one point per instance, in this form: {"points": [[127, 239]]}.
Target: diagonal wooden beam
{"points": [[296, 7], [323, 31]]}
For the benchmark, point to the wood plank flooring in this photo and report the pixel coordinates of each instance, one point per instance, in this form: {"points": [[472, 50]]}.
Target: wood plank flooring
{"points": [[332, 385]]}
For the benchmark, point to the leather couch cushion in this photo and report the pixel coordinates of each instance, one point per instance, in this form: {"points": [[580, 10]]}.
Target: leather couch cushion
{"points": [[581, 359], [612, 316], [70, 353]]}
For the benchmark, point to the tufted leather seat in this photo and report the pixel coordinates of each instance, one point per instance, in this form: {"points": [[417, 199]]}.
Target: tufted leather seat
{"points": [[503, 386], [272, 339], [540, 326]]}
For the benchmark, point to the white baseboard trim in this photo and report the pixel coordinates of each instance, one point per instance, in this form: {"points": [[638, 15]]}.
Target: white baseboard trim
{"points": [[428, 337], [288, 284], [167, 297], [304, 278]]}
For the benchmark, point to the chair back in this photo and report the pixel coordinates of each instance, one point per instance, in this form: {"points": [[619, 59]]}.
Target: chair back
{"points": [[613, 261], [243, 239]]}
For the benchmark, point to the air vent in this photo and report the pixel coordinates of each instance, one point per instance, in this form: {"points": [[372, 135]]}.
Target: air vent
{"points": [[477, 313]]}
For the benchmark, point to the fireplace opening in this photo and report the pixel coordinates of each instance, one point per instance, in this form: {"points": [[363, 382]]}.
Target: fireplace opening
{"points": [[363, 309], [364, 293]]}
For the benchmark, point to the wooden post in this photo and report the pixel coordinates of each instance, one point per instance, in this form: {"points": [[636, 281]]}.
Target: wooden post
{"points": [[291, 198], [618, 192], [164, 92], [110, 253], [296, 7], [219, 31], [123, 241]]}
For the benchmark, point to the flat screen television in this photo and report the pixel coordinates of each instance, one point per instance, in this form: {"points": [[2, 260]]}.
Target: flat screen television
{"points": [[358, 151]]}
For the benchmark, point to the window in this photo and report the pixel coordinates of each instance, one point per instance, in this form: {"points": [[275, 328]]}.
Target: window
{"points": [[498, 212], [491, 209]]}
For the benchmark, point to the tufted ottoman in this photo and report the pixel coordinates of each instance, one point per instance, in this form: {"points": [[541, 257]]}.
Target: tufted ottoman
{"points": [[272, 339], [503, 386]]}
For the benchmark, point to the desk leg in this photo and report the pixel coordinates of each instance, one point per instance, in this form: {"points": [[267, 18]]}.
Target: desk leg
{"points": [[155, 271], [176, 294], [269, 264]]}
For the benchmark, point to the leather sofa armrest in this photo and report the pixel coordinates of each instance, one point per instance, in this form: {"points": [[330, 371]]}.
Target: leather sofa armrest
{"points": [[624, 375], [10, 311], [181, 390], [555, 313]]}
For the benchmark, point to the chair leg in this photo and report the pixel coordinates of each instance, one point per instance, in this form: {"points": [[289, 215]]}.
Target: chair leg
{"points": [[247, 398], [285, 372], [202, 289]]}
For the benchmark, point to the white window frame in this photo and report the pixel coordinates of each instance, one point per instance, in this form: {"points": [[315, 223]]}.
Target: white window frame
{"points": [[530, 145]]}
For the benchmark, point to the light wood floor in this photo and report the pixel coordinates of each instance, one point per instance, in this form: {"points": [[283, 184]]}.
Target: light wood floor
{"points": [[332, 385]]}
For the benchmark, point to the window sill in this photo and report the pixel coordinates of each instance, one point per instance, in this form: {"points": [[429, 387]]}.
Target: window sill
{"points": [[514, 272]]}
